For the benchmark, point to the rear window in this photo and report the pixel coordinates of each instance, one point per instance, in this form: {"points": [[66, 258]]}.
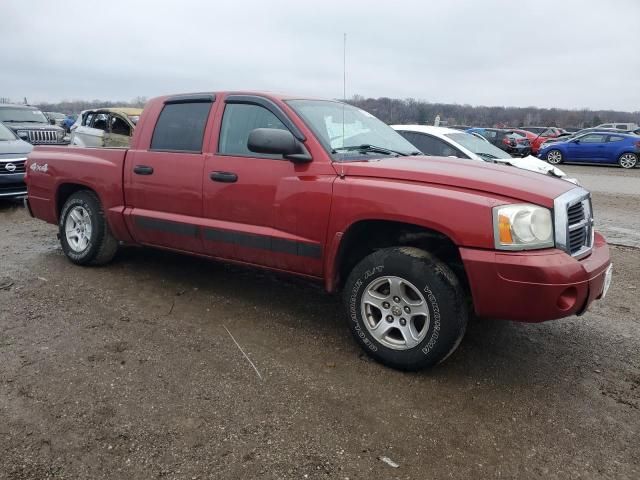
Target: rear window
{"points": [[180, 127]]}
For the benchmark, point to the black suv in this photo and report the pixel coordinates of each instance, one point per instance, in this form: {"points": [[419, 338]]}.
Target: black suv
{"points": [[31, 125]]}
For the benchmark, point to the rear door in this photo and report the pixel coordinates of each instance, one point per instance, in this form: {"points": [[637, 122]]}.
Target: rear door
{"points": [[163, 183], [260, 208]]}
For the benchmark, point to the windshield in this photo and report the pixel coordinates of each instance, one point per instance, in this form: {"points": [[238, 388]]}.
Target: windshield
{"points": [[346, 140], [6, 134], [477, 146], [22, 115]]}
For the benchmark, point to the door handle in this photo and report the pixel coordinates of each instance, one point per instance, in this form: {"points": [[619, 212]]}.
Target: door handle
{"points": [[225, 177], [143, 170]]}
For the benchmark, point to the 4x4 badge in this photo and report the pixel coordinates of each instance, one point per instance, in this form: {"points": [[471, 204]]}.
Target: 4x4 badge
{"points": [[36, 167]]}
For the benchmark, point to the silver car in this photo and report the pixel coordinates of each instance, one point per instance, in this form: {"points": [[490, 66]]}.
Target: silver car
{"points": [[105, 127]]}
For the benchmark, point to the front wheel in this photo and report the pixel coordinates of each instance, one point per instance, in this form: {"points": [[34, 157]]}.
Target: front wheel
{"points": [[554, 157], [628, 160], [405, 308], [84, 233]]}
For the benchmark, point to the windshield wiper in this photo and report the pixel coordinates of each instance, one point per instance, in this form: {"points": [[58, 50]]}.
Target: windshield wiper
{"points": [[487, 155], [365, 147]]}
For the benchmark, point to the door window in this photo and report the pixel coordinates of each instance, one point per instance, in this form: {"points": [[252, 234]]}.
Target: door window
{"points": [[180, 127], [87, 120], [490, 134], [100, 122], [615, 139], [238, 122], [593, 138], [434, 146], [119, 126]]}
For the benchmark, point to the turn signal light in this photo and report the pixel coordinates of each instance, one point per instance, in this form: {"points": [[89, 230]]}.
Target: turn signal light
{"points": [[504, 227]]}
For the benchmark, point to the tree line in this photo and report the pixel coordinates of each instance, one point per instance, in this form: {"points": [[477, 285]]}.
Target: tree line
{"points": [[409, 110]]}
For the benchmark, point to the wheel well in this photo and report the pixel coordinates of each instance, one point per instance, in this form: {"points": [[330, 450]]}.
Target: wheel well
{"points": [[367, 236], [64, 192]]}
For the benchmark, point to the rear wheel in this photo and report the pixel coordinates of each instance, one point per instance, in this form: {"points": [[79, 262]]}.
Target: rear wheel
{"points": [[84, 233], [628, 160], [554, 157], [405, 308]]}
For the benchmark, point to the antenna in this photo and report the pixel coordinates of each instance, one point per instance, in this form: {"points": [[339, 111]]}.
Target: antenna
{"points": [[344, 91]]}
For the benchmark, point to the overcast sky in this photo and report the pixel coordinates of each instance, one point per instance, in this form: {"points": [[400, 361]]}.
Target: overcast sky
{"points": [[548, 53]]}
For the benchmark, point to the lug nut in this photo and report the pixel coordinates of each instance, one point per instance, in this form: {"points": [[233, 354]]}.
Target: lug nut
{"points": [[403, 322], [396, 299], [389, 318], [386, 305], [407, 309]]}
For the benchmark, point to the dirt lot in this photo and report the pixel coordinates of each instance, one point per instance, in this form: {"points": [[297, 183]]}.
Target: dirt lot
{"points": [[128, 371]]}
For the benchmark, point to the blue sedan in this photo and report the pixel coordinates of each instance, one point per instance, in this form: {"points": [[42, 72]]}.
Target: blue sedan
{"points": [[595, 147]]}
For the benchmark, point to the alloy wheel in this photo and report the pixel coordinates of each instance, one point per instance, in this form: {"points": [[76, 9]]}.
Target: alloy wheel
{"points": [[396, 313], [78, 229]]}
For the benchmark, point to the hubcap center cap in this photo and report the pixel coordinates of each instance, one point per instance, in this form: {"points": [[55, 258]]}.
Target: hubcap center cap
{"points": [[397, 311]]}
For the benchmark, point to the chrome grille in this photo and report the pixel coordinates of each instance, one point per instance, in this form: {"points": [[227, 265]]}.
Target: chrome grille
{"points": [[11, 166], [574, 222], [42, 136]]}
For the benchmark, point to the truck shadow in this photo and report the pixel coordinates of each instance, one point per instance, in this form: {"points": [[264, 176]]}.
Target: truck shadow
{"points": [[7, 205], [502, 351]]}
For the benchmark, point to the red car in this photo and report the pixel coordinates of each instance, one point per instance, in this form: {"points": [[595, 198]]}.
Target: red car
{"points": [[326, 191], [540, 135], [526, 138]]}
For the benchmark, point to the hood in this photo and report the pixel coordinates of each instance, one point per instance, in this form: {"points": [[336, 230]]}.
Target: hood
{"points": [[14, 147], [515, 183], [31, 126]]}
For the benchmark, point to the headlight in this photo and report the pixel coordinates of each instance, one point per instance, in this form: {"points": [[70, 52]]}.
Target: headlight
{"points": [[522, 227], [22, 133]]}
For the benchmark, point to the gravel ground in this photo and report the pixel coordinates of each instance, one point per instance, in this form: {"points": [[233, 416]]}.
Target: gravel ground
{"points": [[129, 371]]}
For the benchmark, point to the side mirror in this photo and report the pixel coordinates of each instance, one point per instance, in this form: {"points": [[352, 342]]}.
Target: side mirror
{"points": [[275, 141], [577, 140], [52, 121]]}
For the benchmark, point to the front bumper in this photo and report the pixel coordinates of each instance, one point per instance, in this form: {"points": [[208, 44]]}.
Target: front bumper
{"points": [[12, 186], [535, 286]]}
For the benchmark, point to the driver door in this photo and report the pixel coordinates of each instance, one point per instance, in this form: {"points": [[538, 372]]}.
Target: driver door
{"points": [[590, 147], [264, 209]]}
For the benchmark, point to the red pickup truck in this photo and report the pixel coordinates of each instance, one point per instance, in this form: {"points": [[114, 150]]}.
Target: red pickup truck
{"points": [[325, 190]]}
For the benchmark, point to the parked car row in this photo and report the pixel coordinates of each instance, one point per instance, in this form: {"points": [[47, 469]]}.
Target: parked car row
{"points": [[448, 142]]}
